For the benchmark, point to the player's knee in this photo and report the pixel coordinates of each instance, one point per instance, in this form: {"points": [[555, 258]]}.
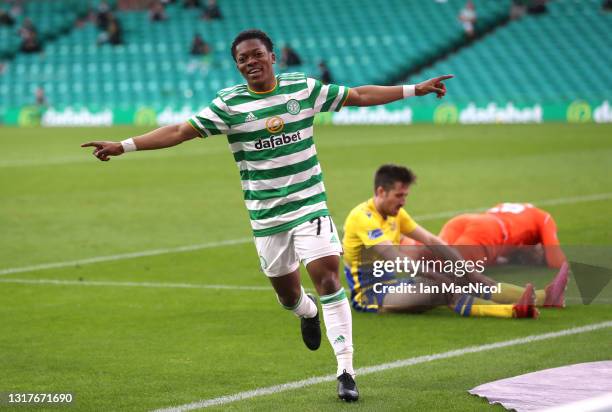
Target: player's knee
{"points": [[328, 284], [289, 298]]}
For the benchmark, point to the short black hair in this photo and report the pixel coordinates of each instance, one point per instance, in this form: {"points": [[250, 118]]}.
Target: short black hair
{"points": [[388, 174], [252, 34]]}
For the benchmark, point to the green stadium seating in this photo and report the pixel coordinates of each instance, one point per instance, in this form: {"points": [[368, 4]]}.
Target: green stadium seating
{"points": [[50, 18], [361, 41], [559, 56]]}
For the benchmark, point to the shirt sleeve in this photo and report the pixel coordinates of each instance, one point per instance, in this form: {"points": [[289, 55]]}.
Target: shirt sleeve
{"points": [[552, 250], [327, 97], [366, 229], [212, 120], [407, 223]]}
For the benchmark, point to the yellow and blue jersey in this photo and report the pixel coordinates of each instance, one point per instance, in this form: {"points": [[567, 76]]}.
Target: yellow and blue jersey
{"points": [[364, 227]]}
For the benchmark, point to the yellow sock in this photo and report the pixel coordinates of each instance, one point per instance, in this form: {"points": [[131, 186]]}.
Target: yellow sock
{"points": [[540, 296], [510, 293], [470, 306]]}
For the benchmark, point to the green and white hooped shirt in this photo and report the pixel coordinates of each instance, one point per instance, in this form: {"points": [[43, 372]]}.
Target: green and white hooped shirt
{"points": [[271, 137]]}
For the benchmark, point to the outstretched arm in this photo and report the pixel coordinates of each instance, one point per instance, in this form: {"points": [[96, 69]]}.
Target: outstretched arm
{"points": [[552, 249], [166, 136], [435, 244], [375, 95]]}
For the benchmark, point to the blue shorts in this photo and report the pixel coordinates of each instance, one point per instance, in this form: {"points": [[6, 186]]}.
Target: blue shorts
{"points": [[369, 300]]}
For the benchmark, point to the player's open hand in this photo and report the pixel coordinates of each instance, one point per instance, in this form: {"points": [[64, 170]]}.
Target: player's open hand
{"points": [[434, 85], [103, 150]]}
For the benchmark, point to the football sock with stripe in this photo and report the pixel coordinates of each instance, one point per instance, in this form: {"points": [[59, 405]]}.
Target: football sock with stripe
{"points": [[471, 306], [304, 308], [339, 325]]}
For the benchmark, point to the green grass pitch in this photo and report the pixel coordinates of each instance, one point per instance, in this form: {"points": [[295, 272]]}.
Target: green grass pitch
{"points": [[140, 348]]}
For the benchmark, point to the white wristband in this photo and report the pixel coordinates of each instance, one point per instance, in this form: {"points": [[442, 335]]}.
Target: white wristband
{"points": [[128, 145], [409, 90]]}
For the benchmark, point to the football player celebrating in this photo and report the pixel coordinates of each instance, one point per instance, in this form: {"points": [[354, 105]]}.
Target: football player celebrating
{"points": [[269, 125]]}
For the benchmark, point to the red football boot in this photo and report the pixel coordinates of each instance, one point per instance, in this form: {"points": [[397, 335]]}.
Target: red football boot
{"points": [[525, 307]]}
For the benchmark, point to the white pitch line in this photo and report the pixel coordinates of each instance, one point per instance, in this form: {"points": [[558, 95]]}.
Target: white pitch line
{"points": [[183, 286], [548, 202], [110, 258], [87, 158], [382, 367], [189, 248], [132, 284]]}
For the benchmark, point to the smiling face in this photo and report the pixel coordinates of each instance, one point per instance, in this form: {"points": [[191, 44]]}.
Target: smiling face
{"points": [[254, 61], [389, 202]]}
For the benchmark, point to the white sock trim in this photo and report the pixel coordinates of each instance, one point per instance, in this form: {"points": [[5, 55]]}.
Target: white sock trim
{"points": [[305, 308]]}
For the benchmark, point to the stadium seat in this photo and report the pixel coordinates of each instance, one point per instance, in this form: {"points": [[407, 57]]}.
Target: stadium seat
{"points": [[538, 59], [361, 44]]}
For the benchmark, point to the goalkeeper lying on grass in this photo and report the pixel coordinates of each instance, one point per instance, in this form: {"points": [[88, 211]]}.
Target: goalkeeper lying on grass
{"points": [[372, 234]]}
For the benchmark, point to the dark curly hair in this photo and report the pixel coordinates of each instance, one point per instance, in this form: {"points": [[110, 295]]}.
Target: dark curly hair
{"points": [[251, 34]]}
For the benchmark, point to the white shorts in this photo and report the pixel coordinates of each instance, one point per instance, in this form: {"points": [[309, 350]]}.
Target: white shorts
{"points": [[281, 253]]}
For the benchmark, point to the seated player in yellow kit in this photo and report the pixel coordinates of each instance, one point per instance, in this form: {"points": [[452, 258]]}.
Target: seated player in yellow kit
{"points": [[378, 224]]}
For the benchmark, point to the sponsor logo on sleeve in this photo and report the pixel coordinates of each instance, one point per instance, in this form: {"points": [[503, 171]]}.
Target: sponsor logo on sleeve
{"points": [[375, 234]]}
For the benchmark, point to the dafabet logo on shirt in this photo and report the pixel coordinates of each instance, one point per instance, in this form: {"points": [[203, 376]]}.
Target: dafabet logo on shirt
{"points": [[275, 141], [275, 124]]}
